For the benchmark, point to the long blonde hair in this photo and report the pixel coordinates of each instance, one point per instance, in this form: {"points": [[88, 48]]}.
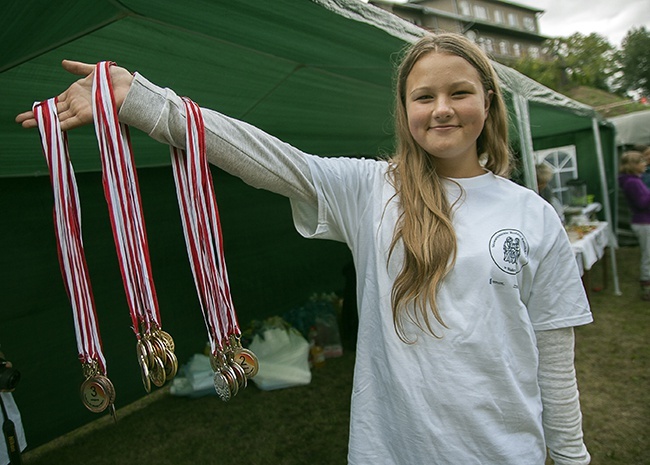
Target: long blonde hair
{"points": [[425, 225]]}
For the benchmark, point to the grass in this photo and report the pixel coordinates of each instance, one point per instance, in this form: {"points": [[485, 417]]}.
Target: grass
{"points": [[608, 105], [309, 424]]}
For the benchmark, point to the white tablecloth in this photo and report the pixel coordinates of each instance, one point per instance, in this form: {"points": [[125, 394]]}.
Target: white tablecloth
{"points": [[591, 247]]}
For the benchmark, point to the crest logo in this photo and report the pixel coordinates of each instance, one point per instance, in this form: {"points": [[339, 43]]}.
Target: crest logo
{"points": [[509, 250]]}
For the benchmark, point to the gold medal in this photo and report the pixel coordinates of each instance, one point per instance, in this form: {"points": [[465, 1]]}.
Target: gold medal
{"points": [[158, 347], [157, 372], [96, 393], [144, 372], [247, 360], [232, 380], [171, 364], [167, 339], [240, 374]]}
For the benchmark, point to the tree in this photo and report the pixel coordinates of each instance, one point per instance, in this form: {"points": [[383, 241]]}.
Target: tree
{"points": [[585, 60], [577, 60], [635, 61]]}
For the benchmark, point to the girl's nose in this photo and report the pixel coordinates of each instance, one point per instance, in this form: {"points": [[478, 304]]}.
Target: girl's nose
{"points": [[442, 110]]}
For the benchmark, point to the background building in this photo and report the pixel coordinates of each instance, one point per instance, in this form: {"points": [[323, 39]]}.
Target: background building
{"points": [[507, 31]]}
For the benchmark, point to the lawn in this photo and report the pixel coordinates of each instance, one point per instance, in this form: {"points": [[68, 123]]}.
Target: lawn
{"points": [[309, 425]]}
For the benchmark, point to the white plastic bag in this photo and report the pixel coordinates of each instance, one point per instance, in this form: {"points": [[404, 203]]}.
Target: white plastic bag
{"points": [[195, 379], [283, 359]]}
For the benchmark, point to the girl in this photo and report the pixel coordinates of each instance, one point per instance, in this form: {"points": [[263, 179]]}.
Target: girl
{"points": [[467, 286]]}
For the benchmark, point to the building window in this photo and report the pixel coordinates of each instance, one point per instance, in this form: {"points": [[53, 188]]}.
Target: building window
{"points": [[563, 162], [529, 23], [533, 52], [464, 9], [480, 12], [488, 46], [513, 20], [516, 50], [503, 47], [498, 17]]}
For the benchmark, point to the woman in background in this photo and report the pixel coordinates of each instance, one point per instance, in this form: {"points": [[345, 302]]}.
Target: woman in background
{"points": [[633, 165]]}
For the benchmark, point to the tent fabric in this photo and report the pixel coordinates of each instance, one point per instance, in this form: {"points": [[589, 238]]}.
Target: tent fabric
{"points": [[299, 71], [317, 74], [633, 128]]}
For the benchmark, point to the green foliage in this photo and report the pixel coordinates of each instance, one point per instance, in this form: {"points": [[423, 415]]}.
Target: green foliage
{"points": [[577, 60], [635, 61], [547, 73]]}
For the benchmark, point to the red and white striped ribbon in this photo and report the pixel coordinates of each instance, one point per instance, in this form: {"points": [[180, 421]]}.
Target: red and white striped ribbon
{"points": [[202, 229], [67, 226], [123, 197]]}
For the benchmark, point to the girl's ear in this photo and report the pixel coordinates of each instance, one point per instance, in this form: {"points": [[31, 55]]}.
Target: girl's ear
{"points": [[488, 100]]}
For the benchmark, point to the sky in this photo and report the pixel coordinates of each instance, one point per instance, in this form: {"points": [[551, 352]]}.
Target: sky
{"points": [[611, 19]]}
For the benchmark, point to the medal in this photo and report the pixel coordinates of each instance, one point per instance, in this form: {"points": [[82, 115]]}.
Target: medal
{"points": [[221, 386], [242, 380], [232, 380], [202, 232], [247, 360], [97, 391], [129, 233], [157, 372], [171, 364], [144, 373]]}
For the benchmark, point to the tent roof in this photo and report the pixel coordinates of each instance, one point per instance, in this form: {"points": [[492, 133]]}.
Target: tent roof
{"points": [[632, 128], [317, 74]]}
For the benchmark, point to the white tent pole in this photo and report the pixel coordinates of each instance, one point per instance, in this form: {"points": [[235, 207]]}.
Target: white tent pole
{"points": [[612, 243], [525, 140]]}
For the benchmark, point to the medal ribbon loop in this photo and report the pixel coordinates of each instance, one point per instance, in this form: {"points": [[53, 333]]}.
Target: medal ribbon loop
{"points": [[67, 227], [202, 230], [122, 194]]}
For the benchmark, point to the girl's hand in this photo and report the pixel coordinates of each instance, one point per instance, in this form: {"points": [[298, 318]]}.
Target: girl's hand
{"points": [[74, 105]]}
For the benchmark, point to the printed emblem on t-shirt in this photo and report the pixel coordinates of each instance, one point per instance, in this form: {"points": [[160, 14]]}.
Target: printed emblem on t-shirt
{"points": [[509, 250]]}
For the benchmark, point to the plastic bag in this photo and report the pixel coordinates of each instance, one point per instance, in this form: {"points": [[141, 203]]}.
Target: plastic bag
{"points": [[283, 359], [195, 379]]}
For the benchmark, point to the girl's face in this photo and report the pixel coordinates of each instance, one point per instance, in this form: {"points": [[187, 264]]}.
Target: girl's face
{"points": [[446, 109]]}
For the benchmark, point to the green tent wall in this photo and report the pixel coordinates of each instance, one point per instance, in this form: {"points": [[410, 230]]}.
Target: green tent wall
{"points": [[317, 74]]}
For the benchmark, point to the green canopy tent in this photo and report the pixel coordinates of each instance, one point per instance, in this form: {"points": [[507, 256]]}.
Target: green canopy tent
{"points": [[317, 74]]}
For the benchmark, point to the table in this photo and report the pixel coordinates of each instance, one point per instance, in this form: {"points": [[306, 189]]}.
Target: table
{"points": [[590, 248]]}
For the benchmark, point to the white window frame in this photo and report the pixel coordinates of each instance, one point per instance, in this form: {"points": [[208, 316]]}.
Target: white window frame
{"points": [[504, 48], [513, 20], [529, 23], [563, 161], [534, 52], [465, 9], [480, 12]]}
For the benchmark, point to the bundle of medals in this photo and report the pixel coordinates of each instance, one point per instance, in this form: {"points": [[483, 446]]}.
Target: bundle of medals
{"points": [[97, 391], [232, 364], [155, 347]]}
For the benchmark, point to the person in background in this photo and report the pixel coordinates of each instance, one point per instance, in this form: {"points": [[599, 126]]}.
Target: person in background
{"points": [[645, 177], [467, 286], [632, 166], [544, 176], [10, 419]]}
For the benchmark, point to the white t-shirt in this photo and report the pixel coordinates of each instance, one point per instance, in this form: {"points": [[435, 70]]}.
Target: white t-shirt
{"points": [[471, 396]]}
